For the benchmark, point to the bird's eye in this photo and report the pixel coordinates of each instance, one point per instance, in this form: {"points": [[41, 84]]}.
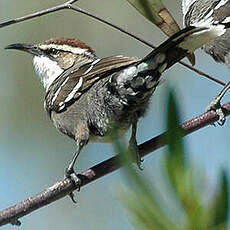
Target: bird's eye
{"points": [[53, 51]]}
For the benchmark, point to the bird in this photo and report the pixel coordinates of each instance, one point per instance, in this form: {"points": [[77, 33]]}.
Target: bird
{"points": [[87, 96], [215, 11]]}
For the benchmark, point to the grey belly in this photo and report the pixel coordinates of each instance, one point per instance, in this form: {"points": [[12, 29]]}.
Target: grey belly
{"points": [[98, 111]]}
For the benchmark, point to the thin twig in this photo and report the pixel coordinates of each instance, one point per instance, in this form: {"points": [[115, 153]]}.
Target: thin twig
{"points": [[75, 8], [33, 15], [66, 186], [68, 5], [201, 73]]}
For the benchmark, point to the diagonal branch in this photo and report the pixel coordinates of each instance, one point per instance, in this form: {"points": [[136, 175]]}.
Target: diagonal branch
{"points": [[66, 186], [38, 14], [69, 5], [201, 73]]}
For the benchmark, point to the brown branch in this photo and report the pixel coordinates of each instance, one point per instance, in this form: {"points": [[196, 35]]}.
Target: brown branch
{"points": [[201, 73], [66, 186], [78, 9], [38, 14], [69, 5]]}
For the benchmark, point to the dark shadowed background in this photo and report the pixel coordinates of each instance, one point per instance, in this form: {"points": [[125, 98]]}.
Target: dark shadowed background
{"points": [[33, 155]]}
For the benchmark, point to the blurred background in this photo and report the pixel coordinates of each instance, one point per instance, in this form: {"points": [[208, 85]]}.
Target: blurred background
{"points": [[33, 155]]}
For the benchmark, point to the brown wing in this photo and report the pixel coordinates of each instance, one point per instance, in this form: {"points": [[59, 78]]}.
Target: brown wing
{"points": [[73, 82]]}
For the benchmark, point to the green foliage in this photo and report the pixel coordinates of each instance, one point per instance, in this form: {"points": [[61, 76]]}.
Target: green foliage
{"points": [[142, 197], [220, 206], [157, 13], [149, 9]]}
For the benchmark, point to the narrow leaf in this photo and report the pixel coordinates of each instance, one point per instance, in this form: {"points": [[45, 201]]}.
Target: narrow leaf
{"points": [[175, 158], [221, 204], [156, 12]]}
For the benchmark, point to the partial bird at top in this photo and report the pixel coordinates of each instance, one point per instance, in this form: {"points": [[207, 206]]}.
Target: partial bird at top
{"points": [[214, 11]]}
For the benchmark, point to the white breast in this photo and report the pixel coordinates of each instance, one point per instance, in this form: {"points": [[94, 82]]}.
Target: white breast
{"points": [[46, 69]]}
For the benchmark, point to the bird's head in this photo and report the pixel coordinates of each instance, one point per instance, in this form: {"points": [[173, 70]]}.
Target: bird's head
{"points": [[52, 57]]}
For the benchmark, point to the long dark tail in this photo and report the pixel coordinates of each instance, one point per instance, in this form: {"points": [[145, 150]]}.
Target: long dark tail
{"points": [[136, 83], [185, 42]]}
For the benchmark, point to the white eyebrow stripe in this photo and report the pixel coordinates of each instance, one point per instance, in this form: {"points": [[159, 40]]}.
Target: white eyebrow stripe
{"points": [[58, 91], [76, 50], [74, 90], [66, 48]]}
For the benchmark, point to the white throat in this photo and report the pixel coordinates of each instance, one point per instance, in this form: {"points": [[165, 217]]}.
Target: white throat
{"points": [[47, 70]]}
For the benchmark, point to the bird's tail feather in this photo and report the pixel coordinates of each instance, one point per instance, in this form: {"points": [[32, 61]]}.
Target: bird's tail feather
{"points": [[135, 84], [185, 42]]}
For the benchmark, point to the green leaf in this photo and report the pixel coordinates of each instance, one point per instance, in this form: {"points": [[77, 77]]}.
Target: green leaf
{"points": [[175, 157], [220, 207], [147, 9], [139, 199], [180, 174], [144, 201], [157, 13]]}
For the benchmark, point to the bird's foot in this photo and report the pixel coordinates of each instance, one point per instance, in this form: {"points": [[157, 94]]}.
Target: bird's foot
{"points": [[70, 174], [215, 105], [139, 161], [133, 148]]}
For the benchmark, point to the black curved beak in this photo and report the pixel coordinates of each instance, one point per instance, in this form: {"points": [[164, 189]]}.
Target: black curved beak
{"points": [[32, 49]]}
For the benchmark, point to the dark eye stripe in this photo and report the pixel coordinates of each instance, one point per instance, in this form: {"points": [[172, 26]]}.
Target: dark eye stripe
{"points": [[51, 51]]}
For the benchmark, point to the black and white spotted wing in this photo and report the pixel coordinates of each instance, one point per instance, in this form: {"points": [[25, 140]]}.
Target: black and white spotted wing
{"points": [[68, 88], [218, 11]]}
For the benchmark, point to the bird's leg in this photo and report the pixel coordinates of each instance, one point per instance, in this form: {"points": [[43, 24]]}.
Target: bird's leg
{"points": [[70, 168], [133, 144], [216, 105], [70, 173]]}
